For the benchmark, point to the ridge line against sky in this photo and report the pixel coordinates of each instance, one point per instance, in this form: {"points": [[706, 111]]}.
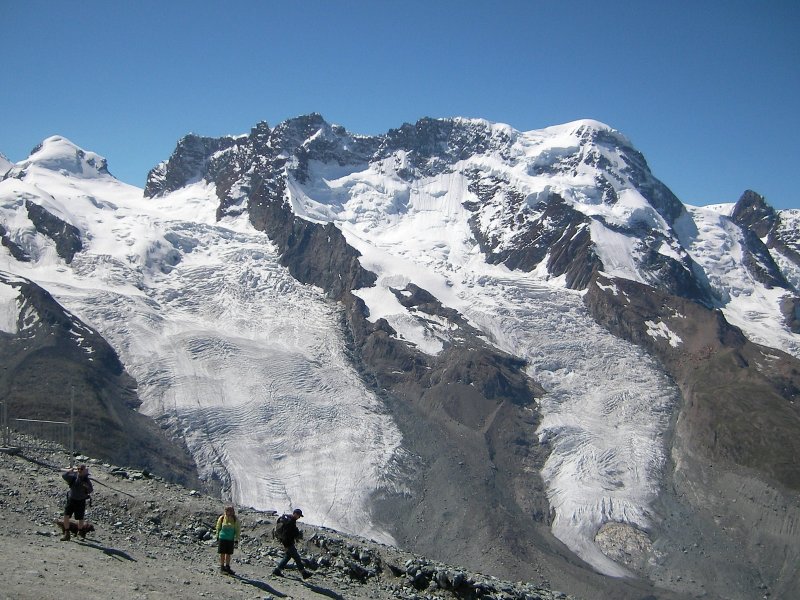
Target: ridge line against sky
{"points": [[706, 90]]}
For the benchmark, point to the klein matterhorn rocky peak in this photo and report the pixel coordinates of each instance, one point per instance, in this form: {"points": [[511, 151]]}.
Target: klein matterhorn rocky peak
{"points": [[513, 350]]}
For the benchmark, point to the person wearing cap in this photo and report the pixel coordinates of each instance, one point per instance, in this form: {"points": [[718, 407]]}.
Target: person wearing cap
{"points": [[80, 488], [290, 534]]}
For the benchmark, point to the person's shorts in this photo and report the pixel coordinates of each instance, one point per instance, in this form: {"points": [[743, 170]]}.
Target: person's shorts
{"points": [[75, 507], [225, 547]]}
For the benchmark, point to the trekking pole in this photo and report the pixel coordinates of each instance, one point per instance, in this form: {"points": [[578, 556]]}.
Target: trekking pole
{"points": [[92, 479], [111, 488]]}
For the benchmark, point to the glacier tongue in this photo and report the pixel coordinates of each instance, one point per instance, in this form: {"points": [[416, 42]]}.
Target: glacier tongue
{"points": [[604, 415]]}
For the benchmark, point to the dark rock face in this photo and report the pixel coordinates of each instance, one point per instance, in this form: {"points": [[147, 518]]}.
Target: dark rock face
{"points": [[752, 212], [80, 362], [790, 307], [681, 278], [311, 138], [67, 237], [758, 220], [315, 254], [434, 145], [551, 228], [189, 163], [16, 251], [760, 264], [417, 299]]}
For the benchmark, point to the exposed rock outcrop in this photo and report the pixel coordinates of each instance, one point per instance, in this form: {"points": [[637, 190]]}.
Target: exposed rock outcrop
{"points": [[189, 163], [66, 237]]}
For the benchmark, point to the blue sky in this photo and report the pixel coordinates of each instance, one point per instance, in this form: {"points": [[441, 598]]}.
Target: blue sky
{"points": [[709, 92]]}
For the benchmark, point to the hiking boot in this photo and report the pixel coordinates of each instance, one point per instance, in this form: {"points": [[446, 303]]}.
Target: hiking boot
{"points": [[229, 570], [65, 537], [306, 574], [277, 573], [223, 570]]}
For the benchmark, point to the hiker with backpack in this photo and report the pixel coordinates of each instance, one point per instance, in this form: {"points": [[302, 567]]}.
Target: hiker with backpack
{"points": [[227, 530], [287, 533], [80, 490]]}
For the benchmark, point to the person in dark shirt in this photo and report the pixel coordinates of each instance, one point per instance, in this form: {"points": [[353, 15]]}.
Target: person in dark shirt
{"points": [[289, 534], [80, 489]]}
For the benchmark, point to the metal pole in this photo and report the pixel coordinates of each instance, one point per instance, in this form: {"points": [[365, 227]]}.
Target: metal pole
{"points": [[71, 425], [6, 432], [6, 428]]}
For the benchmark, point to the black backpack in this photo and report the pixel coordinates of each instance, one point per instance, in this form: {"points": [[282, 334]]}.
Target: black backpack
{"points": [[283, 530]]}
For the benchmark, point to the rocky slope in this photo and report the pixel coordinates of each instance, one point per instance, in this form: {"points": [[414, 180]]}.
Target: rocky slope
{"points": [[153, 539]]}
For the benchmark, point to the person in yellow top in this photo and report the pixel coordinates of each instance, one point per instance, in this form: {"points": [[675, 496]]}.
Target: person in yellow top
{"points": [[228, 537]]}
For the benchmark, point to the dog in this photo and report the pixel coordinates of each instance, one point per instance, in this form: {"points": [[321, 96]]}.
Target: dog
{"points": [[74, 529]]}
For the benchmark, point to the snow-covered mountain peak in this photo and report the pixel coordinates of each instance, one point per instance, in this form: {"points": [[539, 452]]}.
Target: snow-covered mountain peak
{"points": [[59, 154], [586, 130]]}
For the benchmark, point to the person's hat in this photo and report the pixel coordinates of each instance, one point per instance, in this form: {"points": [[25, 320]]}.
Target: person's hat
{"points": [[297, 512]]}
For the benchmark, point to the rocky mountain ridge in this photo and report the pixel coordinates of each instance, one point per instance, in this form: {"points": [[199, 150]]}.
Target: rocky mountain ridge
{"points": [[81, 364], [535, 225]]}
